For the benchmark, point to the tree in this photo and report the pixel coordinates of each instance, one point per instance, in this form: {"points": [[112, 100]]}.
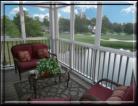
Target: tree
{"points": [[106, 25], [16, 21], [128, 28], [32, 25], [116, 27], [64, 25], [45, 21], [81, 23], [11, 29], [93, 21]]}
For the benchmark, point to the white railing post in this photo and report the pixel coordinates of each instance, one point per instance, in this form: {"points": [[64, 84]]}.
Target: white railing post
{"points": [[22, 22], [72, 21]]}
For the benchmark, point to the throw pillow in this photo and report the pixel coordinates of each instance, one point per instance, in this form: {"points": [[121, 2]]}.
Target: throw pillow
{"points": [[121, 88], [114, 99], [42, 53], [24, 56], [118, 94]]}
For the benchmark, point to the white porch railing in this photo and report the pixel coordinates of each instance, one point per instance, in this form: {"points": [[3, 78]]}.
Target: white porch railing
{"points": [[89, 62], [96, 63]]}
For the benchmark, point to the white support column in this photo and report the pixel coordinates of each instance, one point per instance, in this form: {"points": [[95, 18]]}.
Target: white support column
{"points": [[97, 39], [52, 28], [56, 30], [22, 22], [98, 26], [72, 22]]}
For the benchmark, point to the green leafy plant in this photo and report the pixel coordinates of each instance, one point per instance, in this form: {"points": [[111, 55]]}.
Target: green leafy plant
{"points": [[50, 65]]}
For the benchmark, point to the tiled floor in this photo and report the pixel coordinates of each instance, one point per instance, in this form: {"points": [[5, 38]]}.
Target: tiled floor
{"points": [[11, 77]]}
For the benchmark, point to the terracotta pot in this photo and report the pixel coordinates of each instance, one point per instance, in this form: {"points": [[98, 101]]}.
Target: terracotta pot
{"points": [[44, 74]]}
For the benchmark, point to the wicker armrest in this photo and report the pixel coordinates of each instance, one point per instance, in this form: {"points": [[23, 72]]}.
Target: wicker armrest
{"points": [[16, 60], [53, 54], [110, 81]]}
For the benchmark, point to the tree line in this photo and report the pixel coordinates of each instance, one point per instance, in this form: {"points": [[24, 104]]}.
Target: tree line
{"points": [[35, 27], [82, 23]]}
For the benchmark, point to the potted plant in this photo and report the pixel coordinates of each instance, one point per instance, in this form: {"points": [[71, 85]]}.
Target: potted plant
{"points": [[48, 66]]}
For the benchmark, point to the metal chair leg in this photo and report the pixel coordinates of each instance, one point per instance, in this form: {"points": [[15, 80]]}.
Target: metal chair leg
{"points": [[20, 76]]}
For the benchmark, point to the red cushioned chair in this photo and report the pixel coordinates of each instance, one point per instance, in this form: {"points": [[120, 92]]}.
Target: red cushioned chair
{"points": [[32, 49], [97, 92]]}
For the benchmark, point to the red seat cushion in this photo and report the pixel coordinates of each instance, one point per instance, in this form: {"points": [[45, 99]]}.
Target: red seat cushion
{"points": [[36, 48], [24, 66], [100, 92]]}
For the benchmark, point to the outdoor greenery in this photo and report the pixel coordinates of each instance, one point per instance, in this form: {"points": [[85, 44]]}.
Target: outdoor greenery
{"points": [[11, 29], [119, 32], [113, 44], [33, 26], [82, 23], [49, 65], [36, 28], [107, 26]]}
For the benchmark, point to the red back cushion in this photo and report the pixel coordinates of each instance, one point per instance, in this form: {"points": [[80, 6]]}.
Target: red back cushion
{"points": [[21, 47], [37, 47], [24, 56]]}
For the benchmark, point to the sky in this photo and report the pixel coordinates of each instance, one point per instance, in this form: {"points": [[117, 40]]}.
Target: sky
{"points": [[115, 13]]}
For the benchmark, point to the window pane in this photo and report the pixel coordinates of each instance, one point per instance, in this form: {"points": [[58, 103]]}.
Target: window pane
{"points": [[11, 20], [85, 23], [36, 21], [64, 22], [117, 27]]}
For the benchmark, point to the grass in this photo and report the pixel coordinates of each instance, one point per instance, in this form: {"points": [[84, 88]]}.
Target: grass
{"points": [[118, 44], [120, 36], [88, 38]]}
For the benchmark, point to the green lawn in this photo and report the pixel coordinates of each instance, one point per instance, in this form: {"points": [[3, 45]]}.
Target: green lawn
{"points": [[89, 38]]}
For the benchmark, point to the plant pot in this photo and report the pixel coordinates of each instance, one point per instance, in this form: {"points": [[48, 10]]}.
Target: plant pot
{"points": [[44, 74]]}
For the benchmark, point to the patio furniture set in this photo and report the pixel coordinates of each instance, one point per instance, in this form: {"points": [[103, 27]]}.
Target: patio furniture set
{"points": [[26, 57]]}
